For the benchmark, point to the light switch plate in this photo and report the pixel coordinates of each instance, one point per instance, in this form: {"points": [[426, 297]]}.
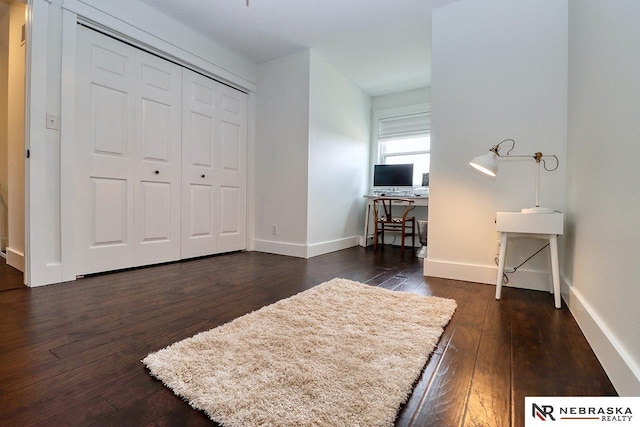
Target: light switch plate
{"points": [[52, 121]]}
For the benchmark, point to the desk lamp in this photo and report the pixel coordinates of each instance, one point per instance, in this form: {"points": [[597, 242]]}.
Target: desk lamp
{"points": [[488, 165]]}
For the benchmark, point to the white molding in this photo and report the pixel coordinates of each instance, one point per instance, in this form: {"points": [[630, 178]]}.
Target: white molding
{"points": [[15, 259], [535, 280], [384, 113], [280, 248], [36, 140], [193, 56], [622, 370], [67, 147], [304, 251], [459, 271], [322, 248], [251, 168]]}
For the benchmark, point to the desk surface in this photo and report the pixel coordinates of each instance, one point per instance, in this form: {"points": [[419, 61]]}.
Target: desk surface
{"points": [[396, 196], [417, 200]]}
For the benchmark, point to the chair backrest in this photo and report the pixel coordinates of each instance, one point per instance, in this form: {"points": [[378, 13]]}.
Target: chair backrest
{"points": [[382, 208]]}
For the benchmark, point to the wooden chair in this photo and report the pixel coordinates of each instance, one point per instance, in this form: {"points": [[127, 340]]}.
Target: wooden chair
{"points": [[384, 220]]}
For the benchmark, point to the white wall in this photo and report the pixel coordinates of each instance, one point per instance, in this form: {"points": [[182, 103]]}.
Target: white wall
{"points": [[282, 148], [4, 79], [603, 198], [339, 122], [401, 99], [499, 71], [312, 148], [16, 146]]}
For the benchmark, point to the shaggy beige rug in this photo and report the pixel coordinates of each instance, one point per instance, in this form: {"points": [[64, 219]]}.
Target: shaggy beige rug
{"points": [[339, 354]]}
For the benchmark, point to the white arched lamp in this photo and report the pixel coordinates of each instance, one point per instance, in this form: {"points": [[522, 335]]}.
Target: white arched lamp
{"points": [[488, 165]]}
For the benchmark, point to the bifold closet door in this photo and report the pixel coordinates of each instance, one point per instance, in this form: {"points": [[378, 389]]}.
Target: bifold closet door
{"points": [[128, 119], [214, 167]]}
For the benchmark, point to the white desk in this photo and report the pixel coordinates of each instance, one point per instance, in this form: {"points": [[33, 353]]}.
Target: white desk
{"points": [[417, 201], [544, 226]]}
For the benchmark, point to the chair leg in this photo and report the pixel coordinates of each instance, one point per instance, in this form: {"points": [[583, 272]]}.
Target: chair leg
{"points": [[402, 239], [413, 236], [375, 238]]}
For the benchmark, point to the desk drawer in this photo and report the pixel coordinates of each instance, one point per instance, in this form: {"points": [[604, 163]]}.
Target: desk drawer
{"points": [[517, 222]]}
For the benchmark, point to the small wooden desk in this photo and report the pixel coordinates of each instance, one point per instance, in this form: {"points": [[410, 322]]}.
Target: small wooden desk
{"points": [[543, 226], [417, 201]]}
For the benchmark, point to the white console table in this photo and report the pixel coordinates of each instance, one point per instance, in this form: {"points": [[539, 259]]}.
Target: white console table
{"points": [[545, 226]]}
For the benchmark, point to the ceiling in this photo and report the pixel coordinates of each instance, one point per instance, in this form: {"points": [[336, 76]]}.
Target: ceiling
{"points": [[383, 46]]}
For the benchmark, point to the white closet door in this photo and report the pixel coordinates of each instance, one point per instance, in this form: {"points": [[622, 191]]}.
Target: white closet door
{"points": [[232, 155], [105, 156], [128, 152], [214, 145], [158, 160], [200, 192]]}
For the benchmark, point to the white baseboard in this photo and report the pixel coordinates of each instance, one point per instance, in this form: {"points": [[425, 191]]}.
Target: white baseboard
{"points": [[322, 248], [524, 279], [622, 370], [458, 271], [280, 248], [303, 251], [15, 259]]}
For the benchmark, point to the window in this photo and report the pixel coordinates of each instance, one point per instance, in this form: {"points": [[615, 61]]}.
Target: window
{"points": [[406, 139]]}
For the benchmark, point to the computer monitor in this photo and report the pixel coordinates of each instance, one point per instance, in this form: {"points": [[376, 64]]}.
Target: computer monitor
{"points": [[393, 175]]}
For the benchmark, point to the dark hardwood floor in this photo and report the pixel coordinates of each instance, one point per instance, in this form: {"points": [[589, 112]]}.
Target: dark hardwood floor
{"points": [[10, 278], [70, 353]]}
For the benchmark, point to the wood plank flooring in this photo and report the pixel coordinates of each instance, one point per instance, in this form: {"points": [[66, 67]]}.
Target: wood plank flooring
{"points": [[70, 353], [10, 278]]}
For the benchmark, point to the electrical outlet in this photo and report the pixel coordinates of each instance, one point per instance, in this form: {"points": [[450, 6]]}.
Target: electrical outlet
{"points": [[274, 229]]}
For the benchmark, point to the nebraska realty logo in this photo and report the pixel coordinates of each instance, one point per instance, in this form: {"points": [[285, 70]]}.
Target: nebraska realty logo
{"points": [[582, 411]]}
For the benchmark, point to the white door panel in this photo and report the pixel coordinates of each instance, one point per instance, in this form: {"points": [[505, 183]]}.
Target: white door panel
{"points": [[158, 160], [109, 116], [214, 145], [201, 199], [128, 151], [155, 212], [229, 211], [109, 201], [201, 137], [105, 166], [200, 191], [232, 153]]}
